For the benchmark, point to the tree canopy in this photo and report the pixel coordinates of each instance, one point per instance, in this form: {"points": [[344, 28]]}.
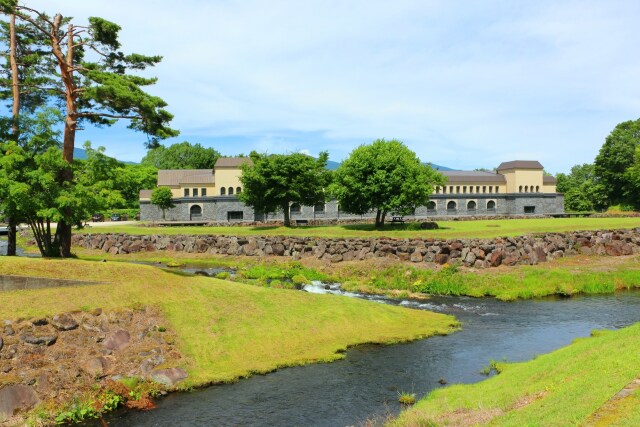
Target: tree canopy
{"points": [[93, 81], [162, 198], [384, 176], [581, 190], [617, 155], [272, 183], [181, 156]]}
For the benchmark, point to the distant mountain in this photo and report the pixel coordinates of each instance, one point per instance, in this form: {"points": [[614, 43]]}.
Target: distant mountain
{"points": [[81, 154], [439, 168], [334, 165]]}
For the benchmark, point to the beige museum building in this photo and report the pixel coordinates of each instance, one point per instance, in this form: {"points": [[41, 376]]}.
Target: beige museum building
{"points": [[517, 187]]}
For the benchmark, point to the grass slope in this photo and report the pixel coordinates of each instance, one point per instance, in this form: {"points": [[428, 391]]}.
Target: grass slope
{"points": [[226, 330], [566, 276], [448, 230], [566, 387]]}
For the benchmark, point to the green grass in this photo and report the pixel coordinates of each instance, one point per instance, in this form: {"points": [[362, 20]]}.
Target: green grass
{"points": [[449, 229], [565, 277], [566, 387], [226, 330]]}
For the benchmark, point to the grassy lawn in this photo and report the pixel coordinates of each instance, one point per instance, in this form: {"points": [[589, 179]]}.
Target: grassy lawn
{"points": [[449, 229], [226, 330], [571, 386]]}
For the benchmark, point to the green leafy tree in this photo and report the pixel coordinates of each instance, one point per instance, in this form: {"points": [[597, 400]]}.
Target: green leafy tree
{"points": [[181, 156], [162, 198], [384, 176], [272, 183], [23, 66], [632, 178], [613, 160], [31, 183], [95, 83], [581, 190]]}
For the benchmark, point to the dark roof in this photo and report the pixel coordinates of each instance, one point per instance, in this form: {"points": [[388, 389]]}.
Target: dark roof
{"points": [[231, 162], [145, 194], [548, 179], [175, 177], [520, 164], [473, 176]]}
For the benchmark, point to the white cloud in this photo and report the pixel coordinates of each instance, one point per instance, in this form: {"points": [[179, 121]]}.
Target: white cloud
{"points": [[463, 84]]}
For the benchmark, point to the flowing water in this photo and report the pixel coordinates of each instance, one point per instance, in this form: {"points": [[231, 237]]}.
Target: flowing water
{"points": [[365, 385]]}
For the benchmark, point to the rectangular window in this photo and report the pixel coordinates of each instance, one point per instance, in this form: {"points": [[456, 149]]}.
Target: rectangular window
{"points": [[458, 189], [444, 190], [203, 192], [195, 192], [497, 189], [464, 188], [529, 209], [491, 189], [235, 215], [186, 192], [484, 188], [319, 208]]}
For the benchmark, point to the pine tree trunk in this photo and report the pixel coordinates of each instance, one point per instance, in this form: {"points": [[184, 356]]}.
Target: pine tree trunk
{"points": [[15, 116]]}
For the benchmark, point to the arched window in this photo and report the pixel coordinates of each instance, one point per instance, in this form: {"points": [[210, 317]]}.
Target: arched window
{"points": [[537, 188], [526, 188], [231, 191], [520, 189], [295, 208], [195, 212], [471, 206], [491, 205], [451, 206], [223, 191], [431, 206], [238, 190]]}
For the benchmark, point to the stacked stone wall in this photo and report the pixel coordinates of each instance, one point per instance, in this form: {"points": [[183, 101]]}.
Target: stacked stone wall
{"points": [[478, 253]]}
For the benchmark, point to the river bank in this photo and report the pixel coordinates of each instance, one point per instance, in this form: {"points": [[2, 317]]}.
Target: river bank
{"points": [[224, 331]]}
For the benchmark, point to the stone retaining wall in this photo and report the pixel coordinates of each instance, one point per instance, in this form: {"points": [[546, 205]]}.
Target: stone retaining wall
{"points": [[479, 253]]}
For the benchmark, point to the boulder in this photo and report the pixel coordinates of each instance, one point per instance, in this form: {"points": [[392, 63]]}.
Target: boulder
{"points": [[15, 398], [441, 258], [64, 322], [39, 337], [168, 377], [117, 340], [94, 367]]}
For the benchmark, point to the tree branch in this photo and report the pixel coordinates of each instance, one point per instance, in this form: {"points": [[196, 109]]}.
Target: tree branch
{"points": [[111, 116]]}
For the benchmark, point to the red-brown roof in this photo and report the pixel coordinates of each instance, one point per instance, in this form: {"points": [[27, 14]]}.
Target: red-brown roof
{"points": [[176, 177], [520, 164], [231, 162]]}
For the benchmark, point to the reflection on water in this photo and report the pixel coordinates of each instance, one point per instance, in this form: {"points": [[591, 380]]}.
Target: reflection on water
{"points": [[365, 385]]}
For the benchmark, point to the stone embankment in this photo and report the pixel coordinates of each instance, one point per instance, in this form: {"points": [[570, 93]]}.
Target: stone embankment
{"points": [[478, 253], [54, 360]]}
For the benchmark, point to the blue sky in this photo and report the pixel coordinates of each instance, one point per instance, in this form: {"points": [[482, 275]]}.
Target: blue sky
{"points": [[464, 84]]}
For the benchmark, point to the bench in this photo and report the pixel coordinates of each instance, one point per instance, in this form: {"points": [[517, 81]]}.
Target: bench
{"points": [[302, 222], [397, 220]]}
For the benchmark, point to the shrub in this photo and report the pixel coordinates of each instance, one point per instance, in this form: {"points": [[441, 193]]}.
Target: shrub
{"points": [[223, 275]]}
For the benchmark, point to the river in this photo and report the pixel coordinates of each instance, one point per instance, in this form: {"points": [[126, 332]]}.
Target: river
{"points": [[365, 385]]}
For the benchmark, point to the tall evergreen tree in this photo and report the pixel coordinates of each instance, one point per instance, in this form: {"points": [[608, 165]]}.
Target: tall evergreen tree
{"points": [[96, 86]]}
